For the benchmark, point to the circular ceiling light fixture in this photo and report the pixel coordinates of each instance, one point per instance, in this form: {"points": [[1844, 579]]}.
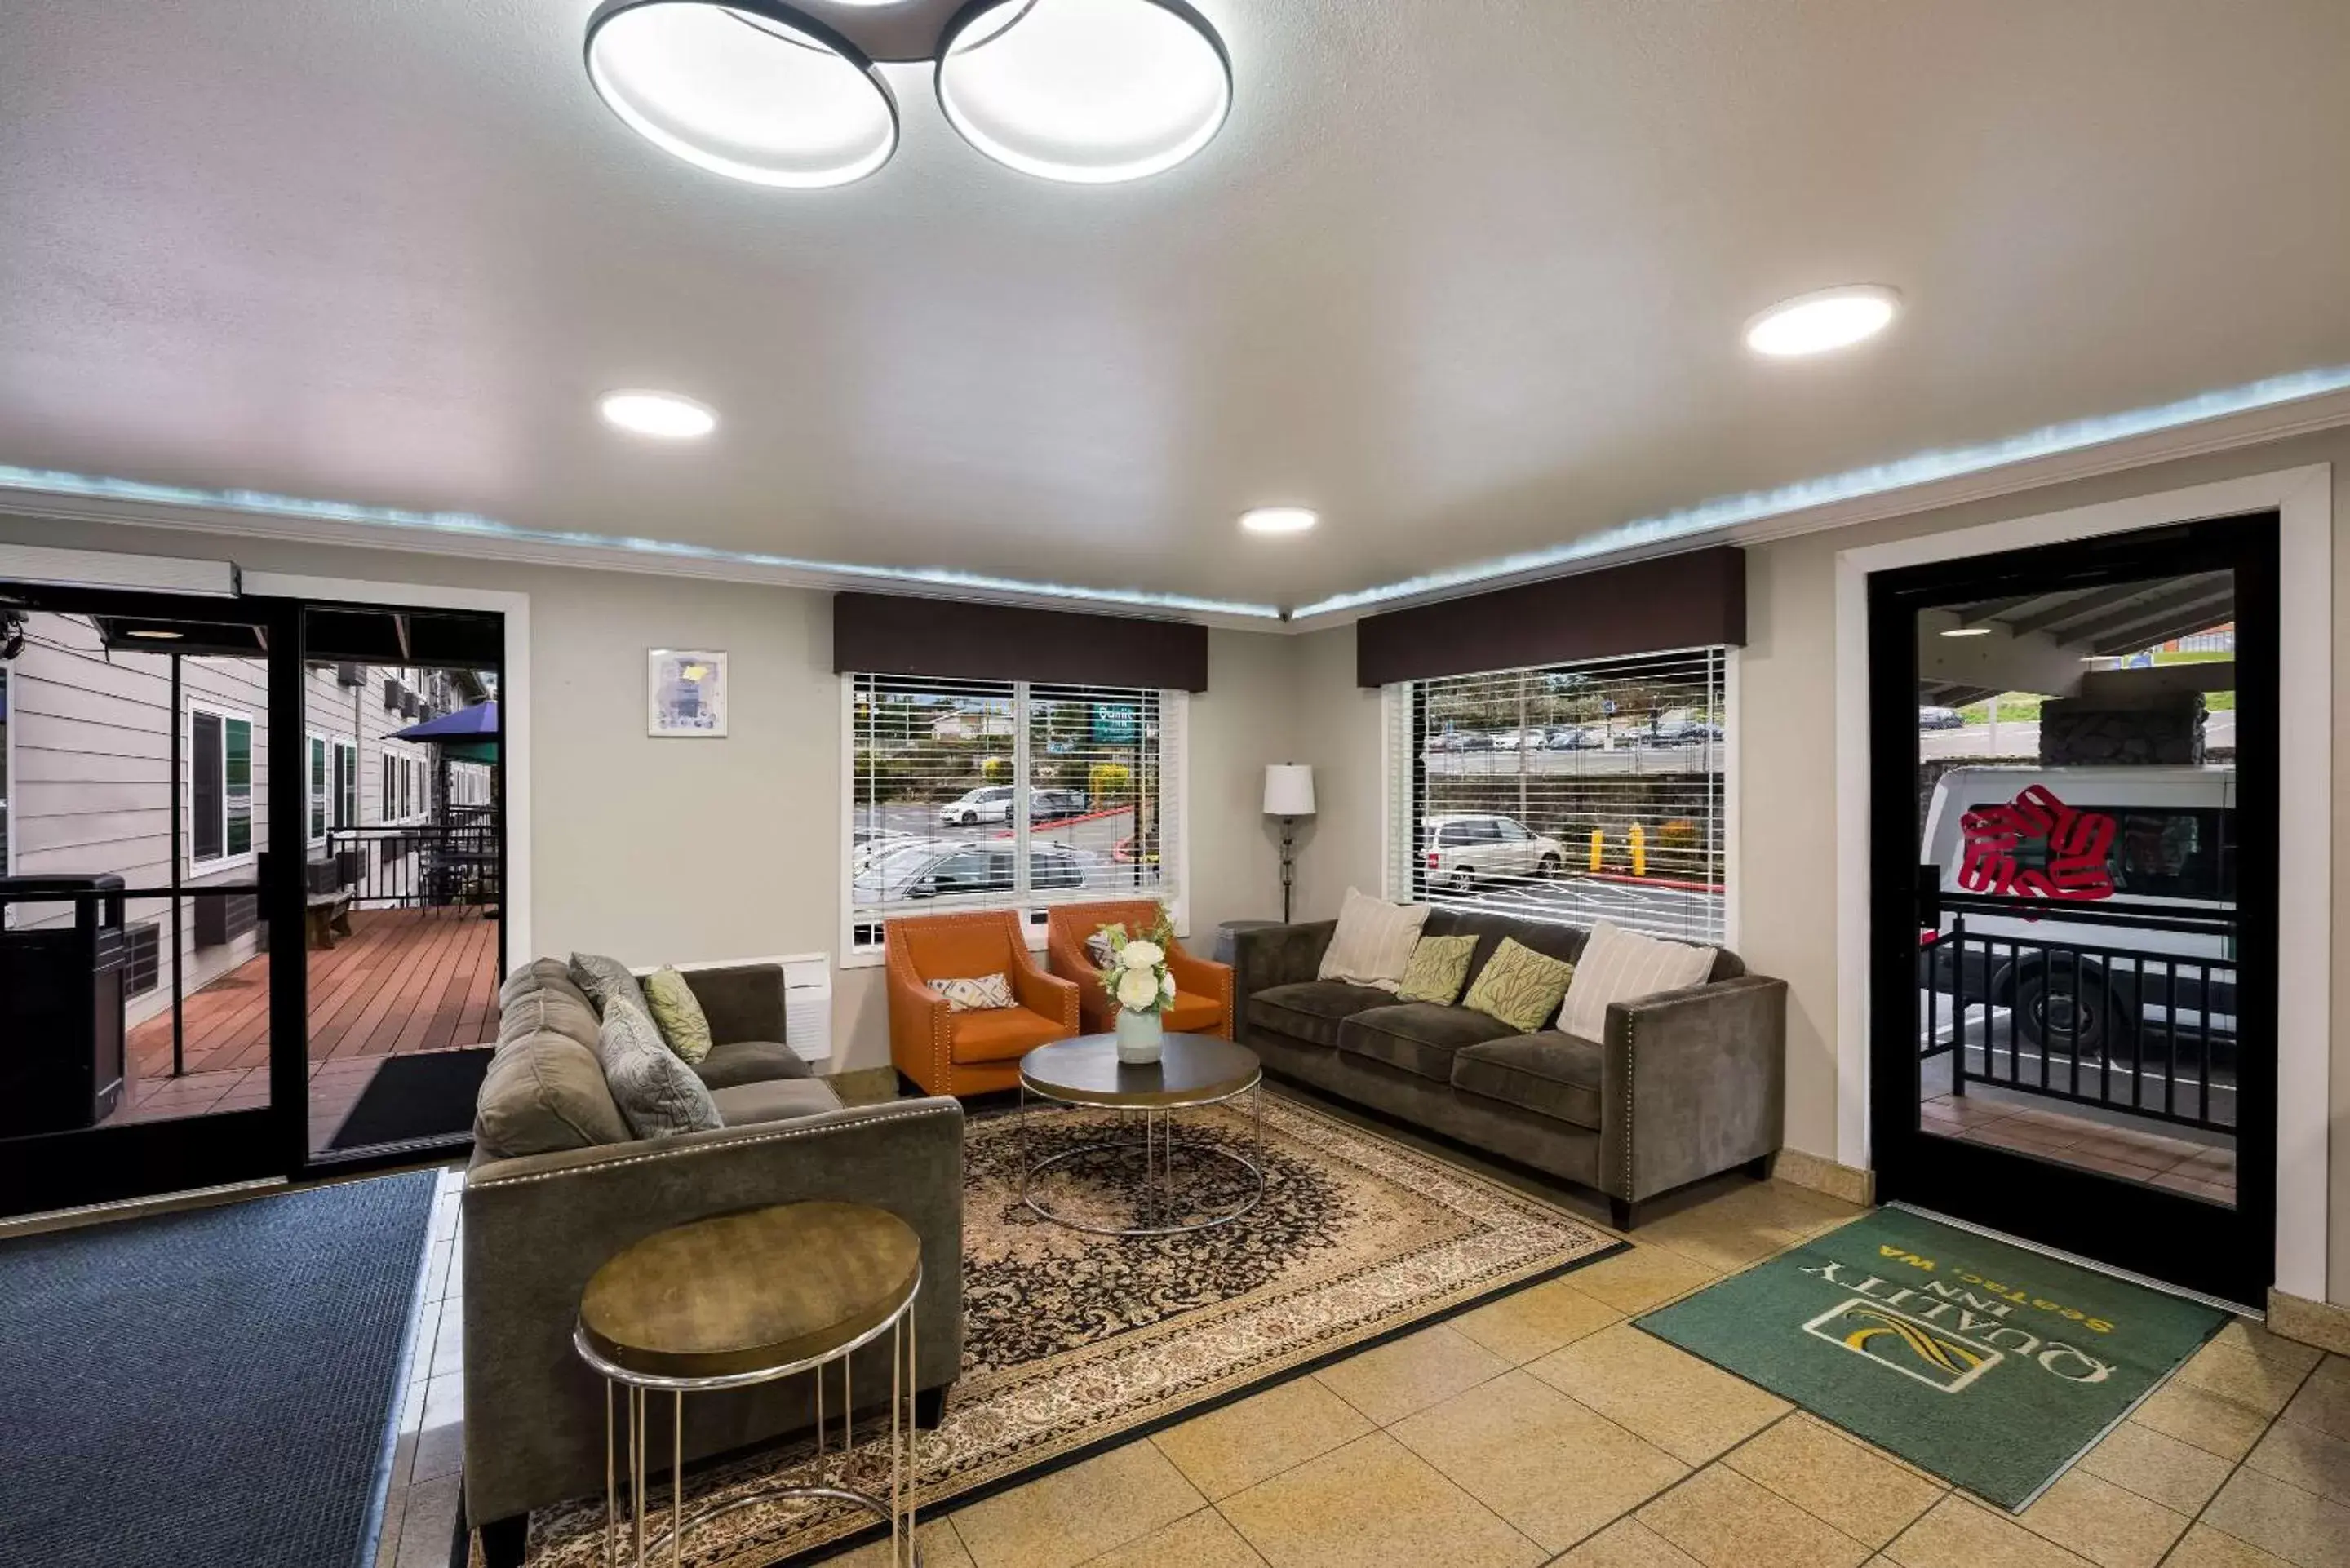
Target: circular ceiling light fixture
{"points": [[664, 416], [754, 90], [1092, 92], [1828, 319], [1279, 519]]}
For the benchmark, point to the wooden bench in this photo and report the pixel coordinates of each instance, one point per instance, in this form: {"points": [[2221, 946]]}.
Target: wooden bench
{"points": [[325, 917]]}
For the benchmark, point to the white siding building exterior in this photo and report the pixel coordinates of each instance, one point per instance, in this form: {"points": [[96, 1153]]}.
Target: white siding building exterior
{"points": [[85, 781]]}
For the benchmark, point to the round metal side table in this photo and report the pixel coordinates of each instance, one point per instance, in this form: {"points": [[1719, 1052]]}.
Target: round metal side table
{"points": [[1193, 1072], [749, 1298]]}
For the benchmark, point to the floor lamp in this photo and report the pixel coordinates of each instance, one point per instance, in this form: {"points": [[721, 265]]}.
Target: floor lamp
{"points": [[1288, 795]]}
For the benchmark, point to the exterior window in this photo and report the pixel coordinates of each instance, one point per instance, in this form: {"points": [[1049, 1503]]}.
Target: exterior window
{"points": [[347, 783], [388, 801], [974, 793], [219, 788], [1575, 793], [2161, 852], [317, 801]]}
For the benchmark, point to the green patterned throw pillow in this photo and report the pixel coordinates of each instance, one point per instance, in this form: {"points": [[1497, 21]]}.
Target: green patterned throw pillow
{"points": [[677, 1012], [1438, 970], [1519, 986]]}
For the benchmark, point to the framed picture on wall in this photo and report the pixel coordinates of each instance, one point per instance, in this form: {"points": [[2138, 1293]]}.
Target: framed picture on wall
{"points": [[685, 693]]}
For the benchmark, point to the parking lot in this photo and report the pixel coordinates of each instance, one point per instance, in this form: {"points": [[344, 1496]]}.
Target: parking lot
{"points": [[1095, 838], [1589, 761]]}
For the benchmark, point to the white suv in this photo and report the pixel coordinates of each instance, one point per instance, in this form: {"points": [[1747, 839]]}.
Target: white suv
{"points": [[1467, 849]]}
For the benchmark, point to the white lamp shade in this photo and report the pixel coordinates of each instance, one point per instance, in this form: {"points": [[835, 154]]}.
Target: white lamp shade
{"points": [[1288, 789]]}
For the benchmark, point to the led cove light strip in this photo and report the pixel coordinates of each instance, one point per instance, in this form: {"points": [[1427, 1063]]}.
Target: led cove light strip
{"points": [[1901, 473], [1706, 517], [466, 524]]}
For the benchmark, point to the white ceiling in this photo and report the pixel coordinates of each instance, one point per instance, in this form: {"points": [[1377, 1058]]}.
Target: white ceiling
{"points": [[1467, 276]]}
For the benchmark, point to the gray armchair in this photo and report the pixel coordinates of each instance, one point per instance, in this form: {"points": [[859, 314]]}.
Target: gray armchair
{"points": [[537, 1224]]}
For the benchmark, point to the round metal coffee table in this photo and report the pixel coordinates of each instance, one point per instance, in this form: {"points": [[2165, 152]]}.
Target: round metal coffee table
{"points": [[765, 1293], [1193, 1072]]}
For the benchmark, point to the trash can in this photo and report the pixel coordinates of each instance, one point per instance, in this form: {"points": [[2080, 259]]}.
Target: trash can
{"points": [[61, 1007]]}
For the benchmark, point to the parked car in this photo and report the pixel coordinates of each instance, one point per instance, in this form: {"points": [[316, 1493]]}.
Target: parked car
{"points": [[942, 869], [865, 844], [1940, 719], [988, 803], [1575, 738], [993, 803], [1052, 804], [1466, 849], [2084, 989]]}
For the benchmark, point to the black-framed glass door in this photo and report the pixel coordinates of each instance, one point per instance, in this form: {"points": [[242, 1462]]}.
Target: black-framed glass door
{"points": [[403, 877], [252, 890], [2074, 865], [149, 1041]]}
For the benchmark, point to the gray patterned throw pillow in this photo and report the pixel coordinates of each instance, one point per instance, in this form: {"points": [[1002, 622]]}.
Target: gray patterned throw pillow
{"points": [[605, 978], [659, 1096]]}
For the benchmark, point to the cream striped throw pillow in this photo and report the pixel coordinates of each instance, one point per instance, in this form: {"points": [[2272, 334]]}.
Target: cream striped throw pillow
{"points": [[1618, 965], [1374, 940]]}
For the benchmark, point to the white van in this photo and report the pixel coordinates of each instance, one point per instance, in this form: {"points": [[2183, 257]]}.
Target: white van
{"points": [[2174, 849]]}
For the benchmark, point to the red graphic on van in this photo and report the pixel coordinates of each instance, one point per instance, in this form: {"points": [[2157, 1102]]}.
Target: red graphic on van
{"points": [[2072, 870]]}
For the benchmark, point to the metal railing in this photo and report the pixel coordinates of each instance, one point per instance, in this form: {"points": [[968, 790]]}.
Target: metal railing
{"points": [[2153, 1033], [447, 864]]}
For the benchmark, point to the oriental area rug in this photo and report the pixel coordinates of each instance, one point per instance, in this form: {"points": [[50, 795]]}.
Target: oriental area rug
{"points": [[1074, 1342], [1991, 1366]]}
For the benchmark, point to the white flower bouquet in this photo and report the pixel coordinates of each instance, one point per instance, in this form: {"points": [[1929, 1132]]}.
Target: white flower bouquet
{"points": [[1136, 977]]}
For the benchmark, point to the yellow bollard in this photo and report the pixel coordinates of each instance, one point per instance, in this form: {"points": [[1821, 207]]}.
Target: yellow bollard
{"points": [[1640, 850], [1598, 845]]}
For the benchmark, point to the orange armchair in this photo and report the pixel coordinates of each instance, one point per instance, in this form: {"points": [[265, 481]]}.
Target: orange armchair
{"points": [[951, 1053], [1203, 989]]}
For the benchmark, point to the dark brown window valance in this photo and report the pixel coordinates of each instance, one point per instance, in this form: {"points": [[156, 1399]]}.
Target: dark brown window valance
{"points": [[1694, 600], [891, 634]]}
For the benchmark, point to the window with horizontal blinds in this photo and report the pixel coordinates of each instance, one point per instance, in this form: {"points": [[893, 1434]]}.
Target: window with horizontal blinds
{"points": [[1574, 793], [1007, 793]]}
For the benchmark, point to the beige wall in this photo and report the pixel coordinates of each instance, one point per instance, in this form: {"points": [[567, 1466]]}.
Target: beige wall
{"points": [[656, 849], [670, 849], [1339, 731]]}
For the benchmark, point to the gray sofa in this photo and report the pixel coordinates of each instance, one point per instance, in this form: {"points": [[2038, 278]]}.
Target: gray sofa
{"points": [[1686, 1083], [559, 1184]]}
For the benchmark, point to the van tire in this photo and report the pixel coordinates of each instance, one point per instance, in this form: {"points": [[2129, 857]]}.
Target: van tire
{"points": [[2104, 1007]]}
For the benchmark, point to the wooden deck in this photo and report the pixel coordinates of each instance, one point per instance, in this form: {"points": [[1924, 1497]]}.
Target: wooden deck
{"points": [[404, 980]]}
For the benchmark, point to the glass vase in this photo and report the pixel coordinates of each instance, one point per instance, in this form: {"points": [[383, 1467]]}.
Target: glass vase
{"points": [[1138, 1037]]}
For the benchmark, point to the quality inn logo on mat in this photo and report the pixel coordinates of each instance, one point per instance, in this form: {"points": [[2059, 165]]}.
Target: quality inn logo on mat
{"points": [[1874, 1326], [1934, 1356]]}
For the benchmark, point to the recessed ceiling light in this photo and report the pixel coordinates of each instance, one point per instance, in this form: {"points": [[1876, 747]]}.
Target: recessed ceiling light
{"points": [[154, 633], [1967, 631], [664, 416], [752, 90], [1816, 323], [1279, 519], [1088, 91]]}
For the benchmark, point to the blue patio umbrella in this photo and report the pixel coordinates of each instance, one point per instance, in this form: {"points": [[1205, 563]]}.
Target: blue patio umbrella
{"points": [[478, 722], [469, 735]]}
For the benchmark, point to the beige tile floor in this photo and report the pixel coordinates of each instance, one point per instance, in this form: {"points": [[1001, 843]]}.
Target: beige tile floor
{"points": [[1543, 1428]]}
